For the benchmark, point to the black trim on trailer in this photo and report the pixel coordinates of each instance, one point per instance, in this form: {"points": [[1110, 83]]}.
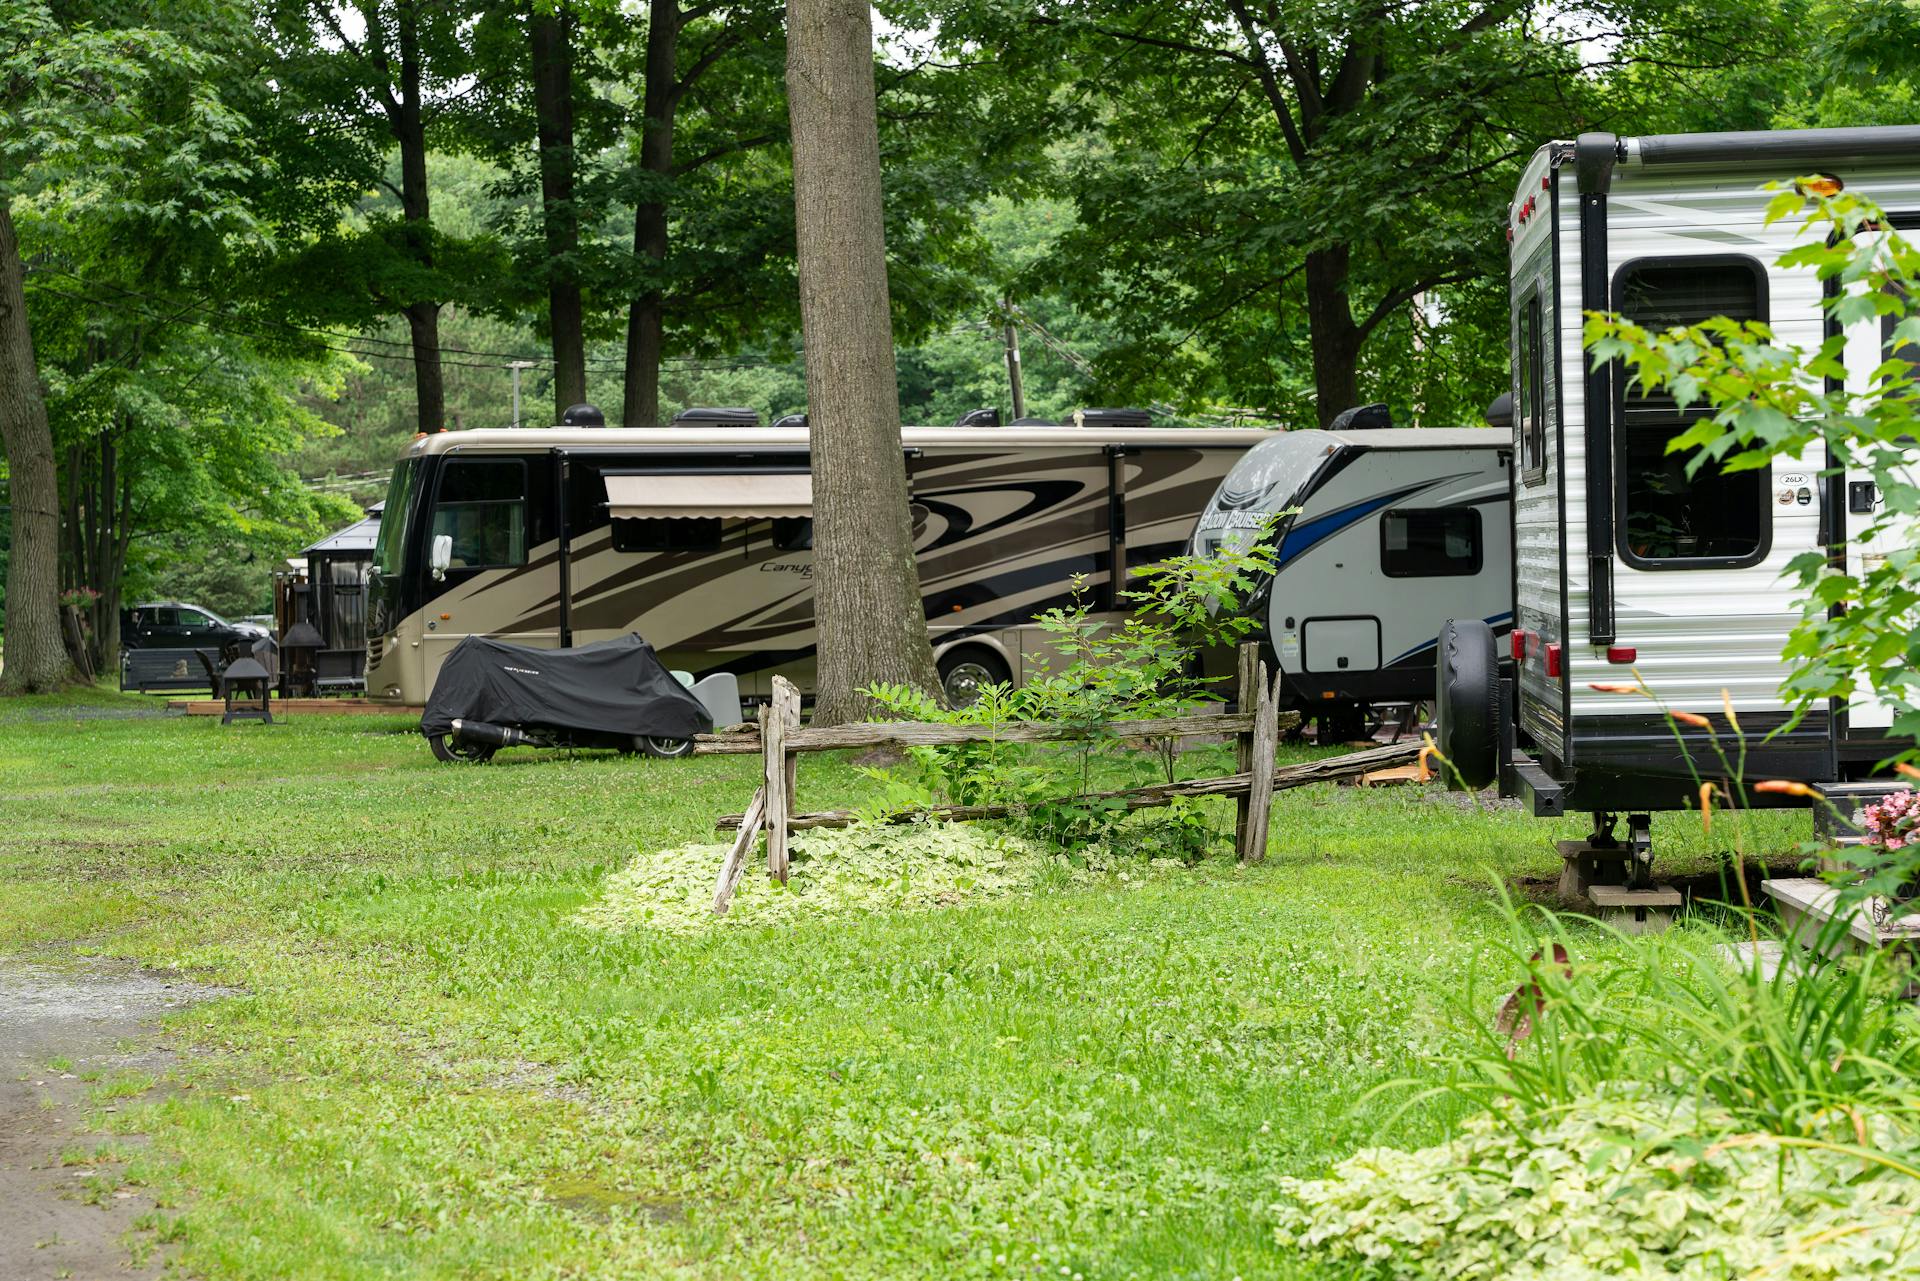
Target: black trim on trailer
{"points": [[1901, 141], [1559, 482], [1763, 300], [1116, 522], [1594, 155], [563, 537]]}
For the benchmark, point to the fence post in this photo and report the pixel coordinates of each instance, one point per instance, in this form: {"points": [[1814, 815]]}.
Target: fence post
{"points": [[779, 766], [1248, 693], [1266, 741]]}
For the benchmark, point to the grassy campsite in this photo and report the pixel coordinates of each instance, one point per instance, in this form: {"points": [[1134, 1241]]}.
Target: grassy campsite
{"points": [[1062, 640]]}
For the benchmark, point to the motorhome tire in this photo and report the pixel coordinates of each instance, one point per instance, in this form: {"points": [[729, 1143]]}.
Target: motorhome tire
{"points": [[1467, 703], [964, 672], [448, 748], [666, 748]]}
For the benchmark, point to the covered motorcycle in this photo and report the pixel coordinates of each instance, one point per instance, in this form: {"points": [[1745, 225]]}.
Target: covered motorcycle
{"points": [[615, 693]]}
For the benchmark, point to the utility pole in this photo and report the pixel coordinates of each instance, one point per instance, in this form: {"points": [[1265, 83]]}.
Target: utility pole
{"points": [[516, 366], [1013, 361]]}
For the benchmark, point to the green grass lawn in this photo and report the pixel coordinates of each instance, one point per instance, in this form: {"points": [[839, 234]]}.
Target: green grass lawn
{"points": [[434, 1072]]}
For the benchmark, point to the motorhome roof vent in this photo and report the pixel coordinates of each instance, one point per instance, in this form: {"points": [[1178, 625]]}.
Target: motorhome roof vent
{"points": [[1500, 412], [1033, 422], [790, 420], [701, 416], [1361, 418], [1111, 418], [979, 418], [583, 415]]}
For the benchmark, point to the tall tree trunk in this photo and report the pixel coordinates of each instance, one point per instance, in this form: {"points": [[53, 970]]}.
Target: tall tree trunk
{"points": [[552, 40], [1336, 339], [36, 656], [423, 317], [645, 322], [866, 584]]}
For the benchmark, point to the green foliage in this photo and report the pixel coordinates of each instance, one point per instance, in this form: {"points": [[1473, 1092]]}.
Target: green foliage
{"points": [[1789, 1054], [1760, 399], [854, 871], [1627, 1182], [1098, 672]]}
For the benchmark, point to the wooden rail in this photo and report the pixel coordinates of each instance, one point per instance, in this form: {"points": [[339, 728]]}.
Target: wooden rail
{"points": [[779, 739], [917, 734]]}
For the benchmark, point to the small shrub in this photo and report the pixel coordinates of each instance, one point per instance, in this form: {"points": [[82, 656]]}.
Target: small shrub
{"points": [[1628, 1182]]}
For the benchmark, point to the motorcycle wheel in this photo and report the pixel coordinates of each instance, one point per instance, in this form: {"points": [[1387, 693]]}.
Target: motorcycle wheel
{"points": [[448, 748], [667, 748]]}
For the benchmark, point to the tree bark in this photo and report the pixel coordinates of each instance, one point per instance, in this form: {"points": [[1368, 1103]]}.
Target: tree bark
{"points": [[646, 322], [409, 131], [36, 655], [866, 583], [1336, 338], [552, 46]]}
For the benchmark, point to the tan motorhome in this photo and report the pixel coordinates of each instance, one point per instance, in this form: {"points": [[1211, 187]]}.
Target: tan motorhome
{"points": [[699, 538]]}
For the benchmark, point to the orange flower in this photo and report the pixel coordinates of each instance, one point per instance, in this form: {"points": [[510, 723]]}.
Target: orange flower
{"points": [[1782, 787], [1692, 718], [1426, 753], [1726, 701], [1605, 687], [1706, 807], [1908, 770]]}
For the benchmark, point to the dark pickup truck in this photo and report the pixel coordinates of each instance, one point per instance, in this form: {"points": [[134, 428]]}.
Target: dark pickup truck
{"points": [[158, 640]]}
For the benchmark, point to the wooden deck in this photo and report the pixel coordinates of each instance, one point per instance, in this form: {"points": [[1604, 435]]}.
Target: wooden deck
{"points": [[300, 707]]}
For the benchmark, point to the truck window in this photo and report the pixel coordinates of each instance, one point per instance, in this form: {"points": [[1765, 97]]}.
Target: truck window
{"points": [[482, 504], [1668, 518], [1432, 542]]}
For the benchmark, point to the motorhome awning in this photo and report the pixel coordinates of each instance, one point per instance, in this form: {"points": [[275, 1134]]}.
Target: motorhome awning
{"points": [[688, 494]]}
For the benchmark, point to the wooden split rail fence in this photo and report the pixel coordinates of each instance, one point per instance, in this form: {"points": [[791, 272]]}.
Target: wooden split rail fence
{"points": [[780, 738]]}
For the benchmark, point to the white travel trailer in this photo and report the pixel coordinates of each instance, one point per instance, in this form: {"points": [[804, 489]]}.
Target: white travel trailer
{"points": [[1624, 562], [699, 537], [1379, 536]]}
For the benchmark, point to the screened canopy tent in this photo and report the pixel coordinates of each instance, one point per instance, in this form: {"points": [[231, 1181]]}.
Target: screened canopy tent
{"points": [[694, 495], [331, 595]]}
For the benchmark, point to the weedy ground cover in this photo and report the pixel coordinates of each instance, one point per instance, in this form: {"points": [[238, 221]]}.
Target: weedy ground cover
{"points": [[436, 1071]]}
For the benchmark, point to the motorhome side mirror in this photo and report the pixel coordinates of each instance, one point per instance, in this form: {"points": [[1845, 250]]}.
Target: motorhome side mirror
{"points": [[442, 554]]}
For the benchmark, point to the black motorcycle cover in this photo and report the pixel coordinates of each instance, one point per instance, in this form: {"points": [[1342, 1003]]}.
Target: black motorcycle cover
{"points": [[612, 687]]}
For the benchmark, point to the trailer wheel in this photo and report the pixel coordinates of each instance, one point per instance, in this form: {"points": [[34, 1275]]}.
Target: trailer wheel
{"points": [[448, 748], [964, 672], [667, 748], [1467, 704]]}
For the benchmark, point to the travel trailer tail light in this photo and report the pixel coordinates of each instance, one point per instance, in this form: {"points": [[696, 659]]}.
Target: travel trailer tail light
{"points": [[1519, 640], [1622, 654], [1553, 660]]}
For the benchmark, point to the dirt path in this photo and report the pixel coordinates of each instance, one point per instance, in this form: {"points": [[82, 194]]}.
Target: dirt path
{"points": [[56, 1027]]}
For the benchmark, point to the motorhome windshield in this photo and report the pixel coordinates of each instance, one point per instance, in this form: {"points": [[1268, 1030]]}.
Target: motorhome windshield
{"points": [[388, 546]]}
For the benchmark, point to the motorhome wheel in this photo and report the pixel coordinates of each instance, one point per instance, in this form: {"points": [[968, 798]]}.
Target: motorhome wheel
{"points": [[1467, 703], [446, 747], [966, 672], [668, 748]]}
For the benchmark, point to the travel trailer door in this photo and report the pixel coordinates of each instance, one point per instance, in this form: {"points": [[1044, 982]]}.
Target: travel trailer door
{"points": [[1858, 502]]}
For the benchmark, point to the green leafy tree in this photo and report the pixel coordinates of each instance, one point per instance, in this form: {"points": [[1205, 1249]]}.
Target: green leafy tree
{"points": [[1283, 203]]}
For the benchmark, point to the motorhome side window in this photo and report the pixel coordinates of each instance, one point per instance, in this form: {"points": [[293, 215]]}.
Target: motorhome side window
{"points": [[1670, 519], [667, 534], [482, 505], [1433, 542], [1532, 408]]}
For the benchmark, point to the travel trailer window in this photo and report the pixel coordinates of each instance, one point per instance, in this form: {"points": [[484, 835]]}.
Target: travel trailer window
{"points": [[1532, 413], [482, 504], [1433, 542], [1668, 519], [667, 534]]}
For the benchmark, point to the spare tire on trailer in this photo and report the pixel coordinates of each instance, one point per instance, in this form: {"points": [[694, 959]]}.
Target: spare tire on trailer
{"points": [[1467, 704]]}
